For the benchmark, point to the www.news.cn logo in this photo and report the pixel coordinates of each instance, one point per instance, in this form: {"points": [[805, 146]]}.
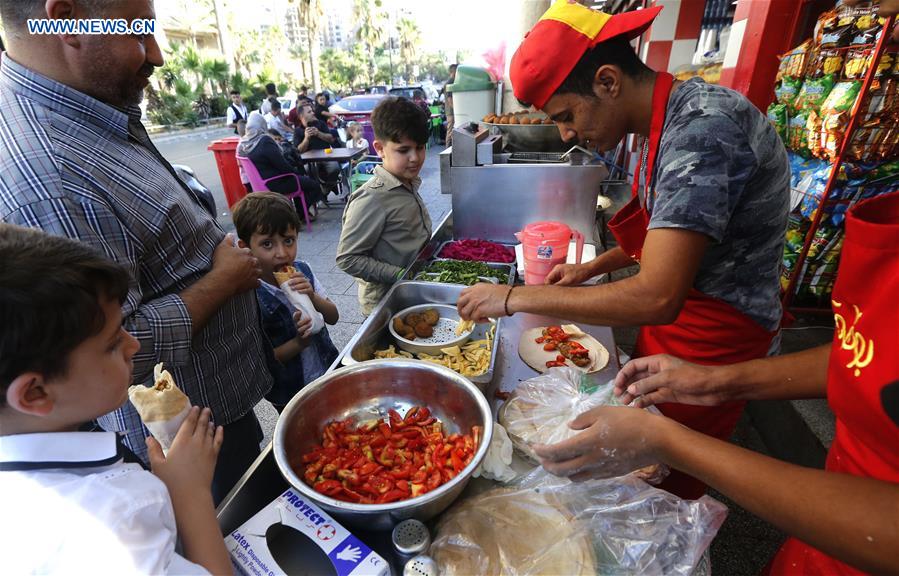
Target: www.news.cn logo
{"points": [[91, 26]]}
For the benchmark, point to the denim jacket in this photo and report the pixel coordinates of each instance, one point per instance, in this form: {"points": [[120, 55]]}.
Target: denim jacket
{"points": [[277, 321]]}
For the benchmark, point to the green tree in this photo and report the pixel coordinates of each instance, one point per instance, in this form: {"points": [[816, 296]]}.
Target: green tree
{"points": [[310, 14], [371, 25], [215, 72], [409, 38], [193, 16]]}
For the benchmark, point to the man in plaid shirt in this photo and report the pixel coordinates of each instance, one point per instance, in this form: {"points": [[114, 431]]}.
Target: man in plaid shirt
{"points": [[76, 161]]}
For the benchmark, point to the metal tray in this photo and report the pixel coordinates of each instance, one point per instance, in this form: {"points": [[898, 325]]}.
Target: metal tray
{"points": [[419, 266], [375, 334], [417, 278], [436, 255]]}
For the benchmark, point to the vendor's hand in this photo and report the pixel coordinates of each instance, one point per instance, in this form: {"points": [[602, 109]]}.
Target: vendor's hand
{"points": [[301, 284], [569, 274], [616, 440], [190, 463], [235, 267], [304, 326], [662, 378], [482, 301]]}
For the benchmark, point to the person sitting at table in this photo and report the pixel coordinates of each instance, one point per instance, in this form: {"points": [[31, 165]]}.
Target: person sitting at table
{"points": [[314, 135], [311, 188], [266, 156], [321, 108], [277, 121], [354, 136]]}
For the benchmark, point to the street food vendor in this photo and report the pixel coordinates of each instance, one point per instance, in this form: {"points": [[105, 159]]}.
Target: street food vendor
{"points": [[707, 226], [843, 519]]}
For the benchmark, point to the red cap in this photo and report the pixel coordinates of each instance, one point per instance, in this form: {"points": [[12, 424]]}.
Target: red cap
{"points": [[563, 34]]}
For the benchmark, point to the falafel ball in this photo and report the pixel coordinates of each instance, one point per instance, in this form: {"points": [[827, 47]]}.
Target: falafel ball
{"points": [[399, 326], [412, 319], [430, 316], [424, 330]]}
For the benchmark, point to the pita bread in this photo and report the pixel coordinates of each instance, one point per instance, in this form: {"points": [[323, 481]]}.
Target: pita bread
{"points": [[160, 402], [284, 274], [536, 357], [507, 531]]}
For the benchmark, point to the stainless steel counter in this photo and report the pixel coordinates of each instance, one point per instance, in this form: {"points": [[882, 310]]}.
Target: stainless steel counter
{"points": [[263, 482]]}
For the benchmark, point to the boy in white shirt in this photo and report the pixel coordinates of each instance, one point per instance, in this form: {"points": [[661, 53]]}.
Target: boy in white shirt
{"points": [[276, 120], [236, 112], [70, 504]]}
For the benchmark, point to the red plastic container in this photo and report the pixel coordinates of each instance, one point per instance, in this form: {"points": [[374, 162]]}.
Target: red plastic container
{"points": [[225, 151], [545, 244]]}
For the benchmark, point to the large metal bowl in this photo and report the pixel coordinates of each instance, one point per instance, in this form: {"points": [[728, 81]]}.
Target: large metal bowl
{"points": [[529, 137], [367, 390]]}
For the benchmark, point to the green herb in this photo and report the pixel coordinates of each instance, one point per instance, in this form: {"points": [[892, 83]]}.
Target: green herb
{"points": [[460, 272]]}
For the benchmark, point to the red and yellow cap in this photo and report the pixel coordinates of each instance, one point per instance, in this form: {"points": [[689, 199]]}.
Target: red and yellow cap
{"points": [[563, 34]]}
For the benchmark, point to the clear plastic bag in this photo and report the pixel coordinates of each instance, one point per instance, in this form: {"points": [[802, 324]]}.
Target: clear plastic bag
{"points": [[497, 463], [549, 525], [539, 410]]}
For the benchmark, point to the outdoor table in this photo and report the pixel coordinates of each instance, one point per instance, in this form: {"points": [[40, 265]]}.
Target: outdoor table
{"points": [[340, 155]]}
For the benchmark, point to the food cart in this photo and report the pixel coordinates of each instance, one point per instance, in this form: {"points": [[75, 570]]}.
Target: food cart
{"points": [[567, 190]]}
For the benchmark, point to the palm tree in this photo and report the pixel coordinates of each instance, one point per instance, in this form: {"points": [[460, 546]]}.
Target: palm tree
{"points": [[301, 55], [371, 21], [409, 38], [194, 16], [214, 71], [190, 62], [310, 13]]}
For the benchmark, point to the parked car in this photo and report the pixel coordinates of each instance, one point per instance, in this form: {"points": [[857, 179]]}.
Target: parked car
{"points": [[379, 89], [414, 93], [356, 108]]}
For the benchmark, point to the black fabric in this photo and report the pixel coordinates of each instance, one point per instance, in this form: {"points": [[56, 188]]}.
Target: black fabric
{"points": [[315, 143], [319, 111], [270, 162], [239, 450]]}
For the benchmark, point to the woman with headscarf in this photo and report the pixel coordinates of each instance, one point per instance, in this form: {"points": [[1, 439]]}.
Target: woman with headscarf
{"points": [[266, 156]]}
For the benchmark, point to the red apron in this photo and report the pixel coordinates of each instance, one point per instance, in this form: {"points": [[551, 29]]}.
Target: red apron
{"points": [[707, 330], [863, 375]]}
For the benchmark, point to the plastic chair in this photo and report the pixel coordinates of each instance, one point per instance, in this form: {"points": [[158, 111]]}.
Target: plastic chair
{"points": [[259, 184], [358, 178], [436, 122]]}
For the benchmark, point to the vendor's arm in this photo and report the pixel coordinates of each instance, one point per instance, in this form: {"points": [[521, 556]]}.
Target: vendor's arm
{"points": [[654, 295], [363, 224], [165, 325], [852, 518], [573, 274], [662, 378]]}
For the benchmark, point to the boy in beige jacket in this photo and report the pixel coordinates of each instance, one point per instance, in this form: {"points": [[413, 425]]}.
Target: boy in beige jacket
{"points": [[385, 223]]}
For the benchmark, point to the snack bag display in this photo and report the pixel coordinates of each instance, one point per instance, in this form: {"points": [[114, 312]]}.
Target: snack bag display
{"points": [[814, 92], [827, 62], [163, 407], [777, 115], [787, 91], [798, 133], [841, 98]]}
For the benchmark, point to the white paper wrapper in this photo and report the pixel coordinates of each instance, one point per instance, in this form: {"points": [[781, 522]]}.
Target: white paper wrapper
{"points": [[300, 301], [304, 304], [163, 407]]}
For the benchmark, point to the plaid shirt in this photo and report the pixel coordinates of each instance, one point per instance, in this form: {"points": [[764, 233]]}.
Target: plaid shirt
{"points": [[74, 166]]}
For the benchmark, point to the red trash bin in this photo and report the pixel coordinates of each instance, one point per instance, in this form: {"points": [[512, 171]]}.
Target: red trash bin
{"points": [[225, 151]]}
